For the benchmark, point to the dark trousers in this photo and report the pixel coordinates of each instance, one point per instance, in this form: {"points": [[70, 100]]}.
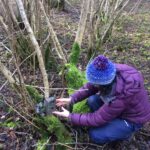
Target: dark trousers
{"points": [[117, 129]]}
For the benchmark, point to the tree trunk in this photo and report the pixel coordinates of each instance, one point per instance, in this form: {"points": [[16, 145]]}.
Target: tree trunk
{"points": [[35, 45], [82, 22], [7, 74]]}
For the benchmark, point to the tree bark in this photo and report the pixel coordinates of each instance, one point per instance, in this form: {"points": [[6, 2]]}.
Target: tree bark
{"points": [[82, 22], [7, 74]]}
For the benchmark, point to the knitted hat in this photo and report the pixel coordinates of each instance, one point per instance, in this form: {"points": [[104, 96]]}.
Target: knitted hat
{"points": [[100, 71]]}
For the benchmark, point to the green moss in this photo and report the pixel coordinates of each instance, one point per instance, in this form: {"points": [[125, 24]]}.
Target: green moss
{"points": [[52, 126], [75, 52], [74, 77], [10, 123], [81, 107], [35, 95], [147, 43], [39, 121], [55, 126], [41, 143]]}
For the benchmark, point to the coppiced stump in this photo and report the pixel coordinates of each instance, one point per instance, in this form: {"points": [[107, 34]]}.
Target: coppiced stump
{"points": [[103, 14]]}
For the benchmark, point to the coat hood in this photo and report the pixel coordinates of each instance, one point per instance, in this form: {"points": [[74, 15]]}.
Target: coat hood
{"points": [[129, 80]]}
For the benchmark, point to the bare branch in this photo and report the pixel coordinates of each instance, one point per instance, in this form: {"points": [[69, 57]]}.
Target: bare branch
{"points": [[20, 114], [4, 25], [7, 73], [135, 7], [58, 47]]}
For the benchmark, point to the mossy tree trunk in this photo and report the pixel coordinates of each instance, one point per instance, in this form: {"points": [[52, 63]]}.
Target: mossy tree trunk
{"points": [[35, 45]]}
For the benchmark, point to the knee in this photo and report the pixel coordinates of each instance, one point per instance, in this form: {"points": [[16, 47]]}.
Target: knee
{"points": [[97, 138]]}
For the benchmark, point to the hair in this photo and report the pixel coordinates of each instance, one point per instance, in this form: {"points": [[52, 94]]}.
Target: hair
{"points": [[106, 89]]}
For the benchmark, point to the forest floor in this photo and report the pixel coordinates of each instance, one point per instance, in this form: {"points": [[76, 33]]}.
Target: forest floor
{"points": [[130, 44]]}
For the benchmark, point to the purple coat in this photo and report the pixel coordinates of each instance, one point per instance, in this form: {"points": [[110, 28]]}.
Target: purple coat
{"points": [[131, 102]]}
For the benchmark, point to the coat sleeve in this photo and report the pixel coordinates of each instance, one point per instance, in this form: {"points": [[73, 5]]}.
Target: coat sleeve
{"points": [[100, 117], [84, 92]]}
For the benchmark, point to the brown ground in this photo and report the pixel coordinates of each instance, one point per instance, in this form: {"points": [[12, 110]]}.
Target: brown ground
{"points": [[130, 44]]}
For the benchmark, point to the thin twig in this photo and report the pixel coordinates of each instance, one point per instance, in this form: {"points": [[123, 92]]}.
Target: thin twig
{"points": [[45, 143], [76, 133], [146, 134], [19, 114], [5, 47], [134, 8], [45, 39], [58, 88], [63, 144], [16, 69], [3, 133], [7, 73], [23, 133], [72, 143], [56, 42]]}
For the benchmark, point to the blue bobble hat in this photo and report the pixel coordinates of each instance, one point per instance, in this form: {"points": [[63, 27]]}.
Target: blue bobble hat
{"points": [[100, 71]]}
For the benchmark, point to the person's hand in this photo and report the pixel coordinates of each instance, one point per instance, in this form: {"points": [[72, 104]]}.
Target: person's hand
{"points": [[62, 101], [64, 113]]}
